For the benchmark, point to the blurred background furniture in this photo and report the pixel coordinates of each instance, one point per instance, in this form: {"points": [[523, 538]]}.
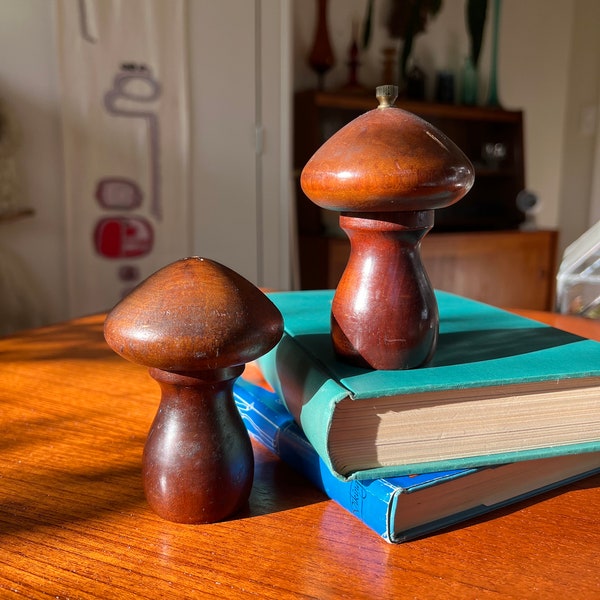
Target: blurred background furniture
{"points": [[478, 246]]}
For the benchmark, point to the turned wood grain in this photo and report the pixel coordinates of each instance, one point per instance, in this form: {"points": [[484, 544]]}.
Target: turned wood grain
{"points": [[195, 323], [74, 522], [386, 172]]}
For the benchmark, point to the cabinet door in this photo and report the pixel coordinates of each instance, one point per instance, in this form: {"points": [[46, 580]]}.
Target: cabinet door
{"points": [[513, 269], [507, 269], [240, 144]]}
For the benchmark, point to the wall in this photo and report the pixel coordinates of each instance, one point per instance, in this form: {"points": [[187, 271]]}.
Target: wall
{"points": [[549, 55], [581, 156], [542, 49], [241, 135], [29, 84], [240, 142]]}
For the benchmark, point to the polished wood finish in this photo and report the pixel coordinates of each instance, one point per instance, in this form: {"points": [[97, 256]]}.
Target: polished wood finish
{"points": [[503, 268], [195, 323], [74, 522], [384, 313], [386, 172], [388, 161]]}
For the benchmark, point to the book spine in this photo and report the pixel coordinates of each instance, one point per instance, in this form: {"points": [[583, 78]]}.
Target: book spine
{"points": [[269, 423], [307, 390]]}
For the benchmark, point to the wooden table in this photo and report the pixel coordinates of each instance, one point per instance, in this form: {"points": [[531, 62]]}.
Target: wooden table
{"points": [[74, 522]]}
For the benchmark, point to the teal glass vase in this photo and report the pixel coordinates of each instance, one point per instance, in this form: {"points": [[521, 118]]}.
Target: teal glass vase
{"points": [[469, 83]]}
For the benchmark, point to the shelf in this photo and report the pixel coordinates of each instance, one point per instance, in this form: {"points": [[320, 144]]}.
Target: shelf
{"points": [[363, 102], [475, 248], [490, 172], [16, 215], [492, 200]]}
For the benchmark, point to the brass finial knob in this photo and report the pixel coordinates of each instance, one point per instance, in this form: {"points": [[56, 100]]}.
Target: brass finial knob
{"points": [[386, 95]]}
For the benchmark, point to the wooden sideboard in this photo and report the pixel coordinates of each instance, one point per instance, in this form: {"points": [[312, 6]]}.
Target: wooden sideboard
{"points": [[476, 248], [491, 203], [505, 268]]}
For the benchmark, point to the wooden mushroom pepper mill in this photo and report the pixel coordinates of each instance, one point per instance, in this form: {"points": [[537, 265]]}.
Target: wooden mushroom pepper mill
{"points": [[386, 172], [195, 324]]}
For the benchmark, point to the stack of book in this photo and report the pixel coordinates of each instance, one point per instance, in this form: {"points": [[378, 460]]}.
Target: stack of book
{"points": [[508, 408]]}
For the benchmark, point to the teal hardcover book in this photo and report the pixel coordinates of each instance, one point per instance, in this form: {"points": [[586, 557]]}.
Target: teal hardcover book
{"points": [[403, 508], [501, 388]]}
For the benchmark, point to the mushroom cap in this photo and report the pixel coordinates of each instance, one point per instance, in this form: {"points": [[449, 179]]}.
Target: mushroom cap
{"points": [[387, 159], [193, 315]]}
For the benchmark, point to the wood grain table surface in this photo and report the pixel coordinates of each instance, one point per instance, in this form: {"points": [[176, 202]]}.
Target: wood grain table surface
{"points": [[74, 522]]}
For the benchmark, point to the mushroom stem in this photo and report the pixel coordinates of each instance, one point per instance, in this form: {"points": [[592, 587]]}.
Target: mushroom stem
{"points": [[198, 461], [385, 285]]}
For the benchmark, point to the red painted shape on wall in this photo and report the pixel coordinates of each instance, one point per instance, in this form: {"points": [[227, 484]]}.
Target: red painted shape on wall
{"points": [[118, 193], [123, 237]]}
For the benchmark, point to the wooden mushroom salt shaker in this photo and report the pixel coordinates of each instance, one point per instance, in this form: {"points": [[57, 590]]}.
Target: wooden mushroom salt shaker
{"points": [[195, 324], [386, 172]]}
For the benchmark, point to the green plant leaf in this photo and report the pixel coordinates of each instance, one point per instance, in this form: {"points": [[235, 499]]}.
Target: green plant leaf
{"points": [[476, 12], [368, 25]]}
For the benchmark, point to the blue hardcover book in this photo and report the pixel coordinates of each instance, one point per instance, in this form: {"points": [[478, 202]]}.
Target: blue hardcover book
{"points": [[403, 508]]}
